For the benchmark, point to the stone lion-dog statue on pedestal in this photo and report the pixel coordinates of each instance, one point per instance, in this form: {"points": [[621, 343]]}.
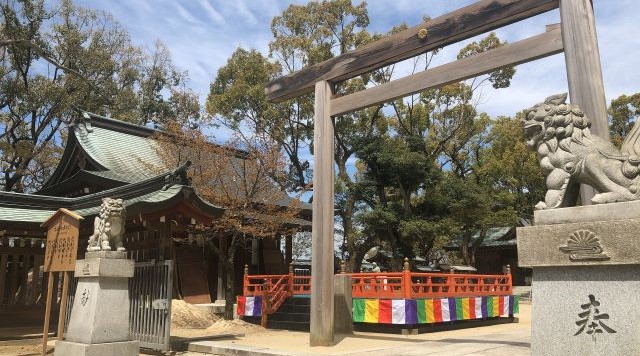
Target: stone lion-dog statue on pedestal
{"points": [[570, 155], [108, 227]]}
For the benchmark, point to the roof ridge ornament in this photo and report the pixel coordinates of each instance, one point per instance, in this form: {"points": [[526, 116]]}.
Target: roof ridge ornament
{"points": [[178, 176], [84, 120]]}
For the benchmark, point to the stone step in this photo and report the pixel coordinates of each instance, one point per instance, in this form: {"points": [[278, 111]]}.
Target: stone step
{"points": [[284, 316], [294, 309], [288, 325], [297, 301]]}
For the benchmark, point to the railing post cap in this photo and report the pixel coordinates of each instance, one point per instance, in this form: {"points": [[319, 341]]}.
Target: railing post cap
{"points": [[405, 265]]}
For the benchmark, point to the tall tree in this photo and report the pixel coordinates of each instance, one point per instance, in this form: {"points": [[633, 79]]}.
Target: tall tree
{"points": [[238, 180], [431, 139], [57, 60], [441, 126]]}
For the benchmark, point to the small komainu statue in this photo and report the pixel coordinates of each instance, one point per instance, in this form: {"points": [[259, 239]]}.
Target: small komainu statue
{"points": [[108, 227], [569, 156]]}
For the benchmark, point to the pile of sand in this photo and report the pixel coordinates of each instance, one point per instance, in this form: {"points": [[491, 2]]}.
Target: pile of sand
{"points": [[185, 315], [234, 326]]}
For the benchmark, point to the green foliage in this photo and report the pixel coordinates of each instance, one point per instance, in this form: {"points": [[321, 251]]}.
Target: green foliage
{"points": [[402, 197], [623, 114], [500, 78], [511, 168], [238, 102]]}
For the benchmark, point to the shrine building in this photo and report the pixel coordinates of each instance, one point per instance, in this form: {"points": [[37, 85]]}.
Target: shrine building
{"points": [[103, 158]]}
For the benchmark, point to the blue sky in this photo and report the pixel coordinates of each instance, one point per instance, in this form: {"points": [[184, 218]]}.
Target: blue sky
{"points": [[202, 34]]}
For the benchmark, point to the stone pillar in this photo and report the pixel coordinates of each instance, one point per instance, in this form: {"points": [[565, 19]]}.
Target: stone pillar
{"points": [[99, 323], [585, 283]]}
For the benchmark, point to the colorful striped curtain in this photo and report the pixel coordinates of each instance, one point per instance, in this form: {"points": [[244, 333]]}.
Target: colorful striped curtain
{"points": [[250, 306], [422, 311]]}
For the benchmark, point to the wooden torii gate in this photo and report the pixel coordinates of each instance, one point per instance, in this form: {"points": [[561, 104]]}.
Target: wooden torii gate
{"points": [[576, 37]]}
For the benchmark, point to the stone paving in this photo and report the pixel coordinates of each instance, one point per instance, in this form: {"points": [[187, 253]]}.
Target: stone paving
{"points": [[495, 340]]}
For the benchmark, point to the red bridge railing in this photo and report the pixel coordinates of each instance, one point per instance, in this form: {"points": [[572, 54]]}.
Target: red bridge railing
{"points": [[385, 285]]}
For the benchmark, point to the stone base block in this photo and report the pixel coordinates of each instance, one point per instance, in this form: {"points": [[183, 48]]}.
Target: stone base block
{"points": [[104, 267], [342, 304], [105, 254], [586, 310], [100, 311], [124, 348]]}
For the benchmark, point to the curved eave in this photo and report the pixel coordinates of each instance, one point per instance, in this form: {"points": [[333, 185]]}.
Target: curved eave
{"points": [[177, 198], [77, 180], [68, 161]]}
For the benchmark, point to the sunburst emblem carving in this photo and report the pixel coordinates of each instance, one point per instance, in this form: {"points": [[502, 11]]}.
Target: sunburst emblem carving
{"points": [[584, 245]]}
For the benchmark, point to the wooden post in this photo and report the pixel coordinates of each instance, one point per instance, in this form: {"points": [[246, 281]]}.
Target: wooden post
{"points": [[406, 279], [584, 72], [47, 314], [245, 280], [63, 304], [321, 318], [265, 305], [291, 280]]}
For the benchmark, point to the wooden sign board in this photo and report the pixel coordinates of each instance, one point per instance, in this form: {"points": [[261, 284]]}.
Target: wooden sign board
{"points": [[62, 241], [60, 254]]}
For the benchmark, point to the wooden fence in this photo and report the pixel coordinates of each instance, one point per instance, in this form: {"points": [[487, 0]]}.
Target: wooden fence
{"points": [[22, 278]]}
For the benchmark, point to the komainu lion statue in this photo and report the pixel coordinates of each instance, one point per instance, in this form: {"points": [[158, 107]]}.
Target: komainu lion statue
{"points": [[108, 227], [569, 155]]}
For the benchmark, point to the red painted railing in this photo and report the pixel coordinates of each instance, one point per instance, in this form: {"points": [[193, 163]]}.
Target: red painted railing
{"points": [[386, 285], [428, 285]]}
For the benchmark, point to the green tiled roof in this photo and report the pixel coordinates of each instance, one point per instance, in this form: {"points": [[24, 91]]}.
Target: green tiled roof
{"points": [[153, 197], [146, 195], [24, 215], [129, 153], [496, 236], [124, 156]]}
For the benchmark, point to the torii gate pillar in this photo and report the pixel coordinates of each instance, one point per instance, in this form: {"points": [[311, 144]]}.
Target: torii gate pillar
{"points": [[321, 322], [584, 73]]}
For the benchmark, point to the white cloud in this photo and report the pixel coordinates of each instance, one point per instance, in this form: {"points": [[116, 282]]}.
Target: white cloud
{"points": [[203, 34], [214, 15]]}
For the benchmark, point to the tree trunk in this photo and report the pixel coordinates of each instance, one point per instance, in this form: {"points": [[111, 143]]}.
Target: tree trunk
{"points": [[359, 251], [229, 295], [476, 244], [464, 246]]}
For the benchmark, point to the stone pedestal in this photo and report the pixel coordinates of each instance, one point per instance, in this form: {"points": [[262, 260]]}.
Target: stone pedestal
{"points": [[343, 319], [586, 279], [99, 323]]}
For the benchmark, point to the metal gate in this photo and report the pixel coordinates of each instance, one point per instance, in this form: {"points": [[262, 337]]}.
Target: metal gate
{"points": [[149, 304]]}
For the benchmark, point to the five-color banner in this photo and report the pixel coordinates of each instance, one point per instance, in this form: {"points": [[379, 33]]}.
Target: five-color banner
{"points": [[424, 311]]}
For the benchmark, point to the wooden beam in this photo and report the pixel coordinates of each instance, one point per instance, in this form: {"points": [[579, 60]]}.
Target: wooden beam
{"points": [[469, 21], [321, 314], [584, 72], [532, 48]]}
